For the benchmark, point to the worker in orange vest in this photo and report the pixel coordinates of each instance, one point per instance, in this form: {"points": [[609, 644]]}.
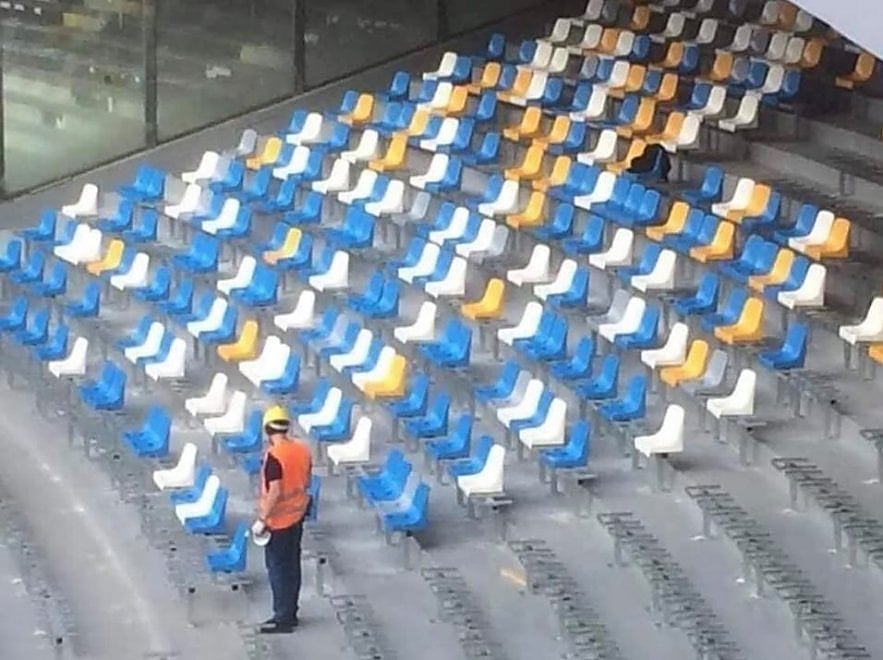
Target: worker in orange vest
{"points": [[284, 502]]}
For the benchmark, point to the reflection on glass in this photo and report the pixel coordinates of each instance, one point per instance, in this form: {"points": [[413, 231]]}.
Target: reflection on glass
{"points": [[72, 88], [219, 58]]}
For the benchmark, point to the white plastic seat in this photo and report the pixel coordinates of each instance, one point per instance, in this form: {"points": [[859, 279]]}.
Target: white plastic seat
{"points": [[741, 38], [203, 504], [602, 191], [739, 200], [447, 132], [770, 13], [811, 293], [232, 420], [499, 241], [310, 132], [356, 355], [774, 78], [618, 75], [188, 203], [423, 327], [662, 277], [591, 38], [182, 474], [302, 316], [297, 163], [707, 31], [453, 283], [746, 114], [356, 450], [136, 277], [870, 329], [536, 270], [594, 109], [336, 277], [362, 189], [445, 67], [629, 323], [440, 98], [326, 413], [242, 278], [542, 55], [74, 364], [174, 364], [393, 200], [675, 25], [269, 364], [481, 242], [83, 248], [489, 480], [456, 228], [669, 439], [740, 401], [66, 251], [561, 283], [213, 402], [558, 64], [688, 136], [560, 31], [793, 51], [150, 345], [526, 326], [714, 105], [338, 178], [804, 21], [380, 370], [618, 254], [425, 264], [775, 49], [551, 432], [367, 149], [624, 43], [207, 165], [818, 235], [534, 90], [212, 320], [225, 219], [86, 204], [434, 173], [673, 352], [506, 202], [603, 151]]}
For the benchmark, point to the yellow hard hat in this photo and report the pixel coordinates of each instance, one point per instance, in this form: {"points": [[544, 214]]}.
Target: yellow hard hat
{"points": [[276, 418]]}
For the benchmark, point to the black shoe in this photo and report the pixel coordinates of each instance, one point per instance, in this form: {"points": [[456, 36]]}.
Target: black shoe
{"points": [[271, 626]]}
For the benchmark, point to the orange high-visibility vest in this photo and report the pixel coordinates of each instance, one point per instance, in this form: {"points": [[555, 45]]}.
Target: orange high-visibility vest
{"points": [[296, 462]]}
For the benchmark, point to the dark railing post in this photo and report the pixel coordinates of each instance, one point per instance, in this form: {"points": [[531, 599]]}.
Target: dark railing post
{"points": [[299, 44], [148, 43]]}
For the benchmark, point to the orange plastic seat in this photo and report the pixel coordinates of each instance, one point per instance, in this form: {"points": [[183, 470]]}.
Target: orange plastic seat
{"points": [[458, 101], [531, 166], [490, 76], [722, 66], [677, 219], [363, 111], [519, 86], [787, 15], [636, 149], [721, 246], [490, 305], [560, 170], [557, 134], [668, 87], [418, 124], [392, 384], [532, 215], [634, 81], [643, 121], [245, 347], [609, 39], [670, 132], [528, 127], [748, 328], [875, 352], [267, 156], [394, 158], [692, 367], [112, 258], [673, 55], [812, 53], [837, 244], [287, 249], [640, 17], [864, 69], [760, 197], [778, 273]]}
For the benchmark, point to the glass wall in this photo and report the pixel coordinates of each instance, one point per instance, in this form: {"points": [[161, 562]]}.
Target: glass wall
{"points": [[86, 81]]}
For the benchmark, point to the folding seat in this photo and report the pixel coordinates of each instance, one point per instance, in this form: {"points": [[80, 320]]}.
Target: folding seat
{"points": [[644, 335], [603, 386], [672, 352], [423, 327], [740, 401], [526, 326], [826, 240], [747, 328], [108, 391], [745, 116], [668, 439], [792, 352], [714, 245], [148, 185], [536, 270], [693, 366], [120, 220], [757, 258], [86, 204], [531, 215], [443, 175], [452, 349], [213, 402], [200, 257], [865, 65], [589, 241], [627, 323], [43, 232], [619, 253], [811, 292], [550, 342]]}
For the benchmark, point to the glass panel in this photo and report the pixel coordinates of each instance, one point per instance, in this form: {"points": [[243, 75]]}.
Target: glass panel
{"points": [[467, 14], [343, 36], [72, 88], [219, 58]]}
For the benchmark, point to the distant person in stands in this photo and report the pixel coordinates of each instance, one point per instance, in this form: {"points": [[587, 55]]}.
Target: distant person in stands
{"points": [[283, 505]]}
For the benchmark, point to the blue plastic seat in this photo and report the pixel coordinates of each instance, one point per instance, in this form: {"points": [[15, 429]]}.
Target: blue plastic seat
{"points": [[451, 179], [703, 301], [55, 284], [337, 429], [455, 445], [200, 257], [646, 336], [503, 387], [452, 349], [794, 281], [496, 46], [476, 460], [162, 352], [577, 293], [144, 228], [803, 224], [462, 138], [278, 202], [89, 304], [231, 559], [537, 417], [792, 353], [579, 365], [138, 335], [321, 264], [414, 402], [322, 329], [309, 211], [121, 219], [16, 316], [152, 439], [226, 331], [55, 348], [11, 260], [644, 267], [581, 180], [108, 392], [250, 439], [65, 234], [729, 314], [302, 256], [561, 224], [626, 114], [757, 258], [486, 108], [191, 493], [31, 272], [591, 240], [231, 180], [180, 303], [550, 345], [240, 228], [443, 218], [604, 385], [276, 240], [148, 185], [338, 342], [699, 95], [574, 453], [487, 152], [411, 520], [287, 383], [389, 482], [261, 291], [398, 88], [710, 190], [158, 289], [435, 422], [371, 294], [45, 229], [491, 192], [356, 232], [632, 406], [696, 226], [314, 404], [574, 141], [213, 521], [767, 219], [36, 330]]}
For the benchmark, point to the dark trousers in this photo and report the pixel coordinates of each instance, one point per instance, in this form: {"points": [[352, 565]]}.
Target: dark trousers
{"points": [[282, 556]]}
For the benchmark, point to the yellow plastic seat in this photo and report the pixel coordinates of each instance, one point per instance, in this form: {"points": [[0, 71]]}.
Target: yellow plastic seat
{"points": [[760, 197], [531, 166], [640, 18], [557, 134], [528, 127], [864, 69], [787, 15], [490, 305], [668, 87], [677, 219], [394, 158], [287, 249], [722, 66], [457, 103], [749, 327], [692, 367], [778, 273], [643, 121], [267, 156], [634, 81], [519, 86], [532, 215], [363, 111], [560, 170], [245, 347], [670, 132], [673, 55], [392, 385], [418, 124], [875, 352], [609, 38], [721, 246], [112, 258], [636, 149], [812, 53], [837, 244], [490, 76]]}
